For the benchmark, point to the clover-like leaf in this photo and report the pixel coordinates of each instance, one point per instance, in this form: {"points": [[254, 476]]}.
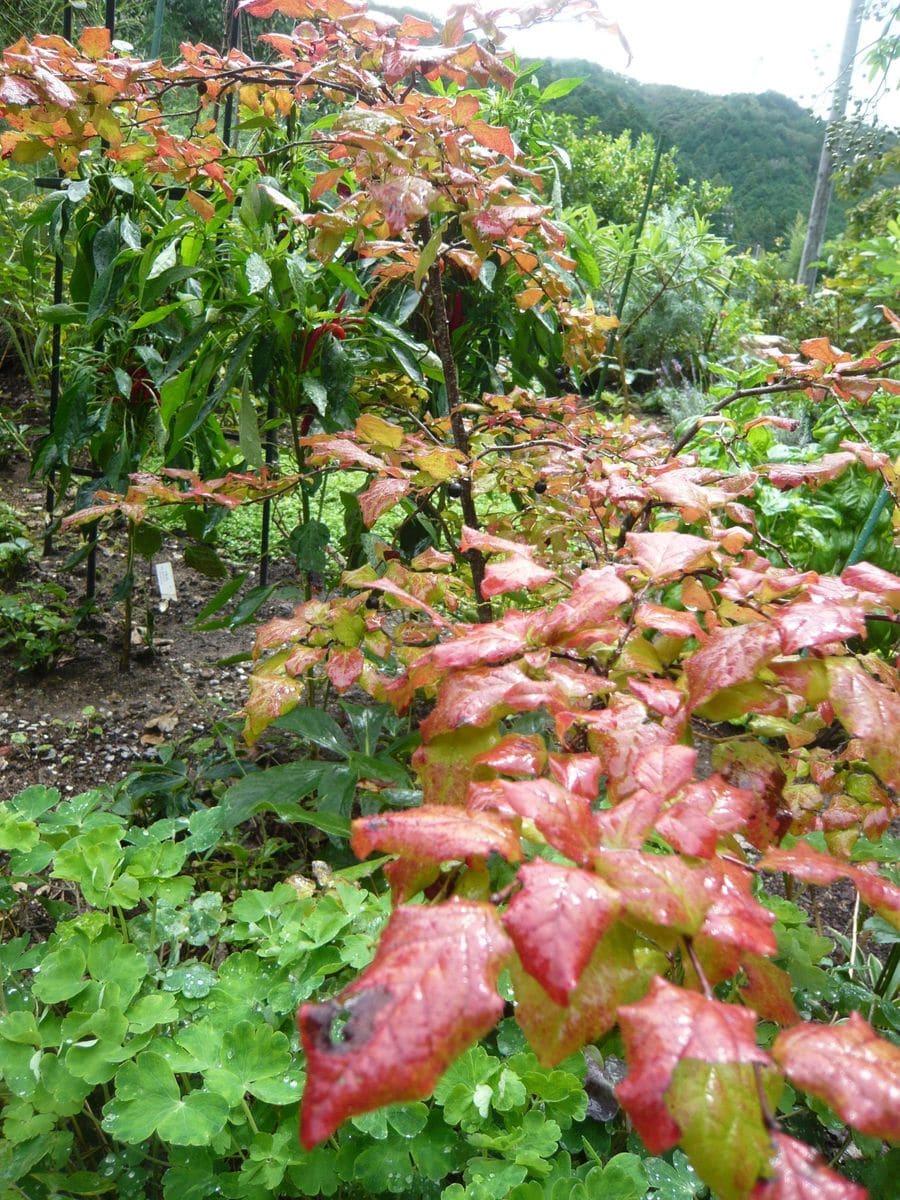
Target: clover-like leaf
{"points": [[849, 1067], [148, 1100], [798, 1173], [668, 1026], [555, 922], [429, 993], [251, 1053]]}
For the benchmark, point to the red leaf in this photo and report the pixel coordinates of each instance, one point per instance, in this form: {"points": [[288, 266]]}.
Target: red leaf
{"points": [[436, 833], [95, 41], [806, 625], [791, 475], [869, 712], [627, 825], [867, 578], [475, 539], [380, 496], [596, 596], [708, 808], [555, 922], [445, 764], [515, 755], [611, 978], [768, 990], [427, 996], [667, 620], [344, 668], [734, 917], [661, 771], [848, 1066], [657, 888], [513, 574], [822, 351], [668, 1026], [488, 643], [800, 1174], [580, 773], [493, 137], [809, 865], [564, 818], [754, 767], [665, 555], [732, 655], [403, 200]]}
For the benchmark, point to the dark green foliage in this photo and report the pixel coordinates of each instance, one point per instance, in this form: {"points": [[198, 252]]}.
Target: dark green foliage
{"points": [[765, 148]]}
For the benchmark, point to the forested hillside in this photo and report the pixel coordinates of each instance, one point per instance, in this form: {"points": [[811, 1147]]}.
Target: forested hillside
{"points": [[764, 147]]}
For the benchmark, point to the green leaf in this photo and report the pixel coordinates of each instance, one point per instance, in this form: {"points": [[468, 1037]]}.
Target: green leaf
{"points": [[16, 834], [307, 543], [166, 258], [222, 596], [622, 1178], [201, 557], [252, 1051], [717, 1109], [272, 788], [259, 275], [59, 976], [316, 726], [148, 1101], [35, 800], [154, 316], [560, 87], [62, 314], [248, 428]]}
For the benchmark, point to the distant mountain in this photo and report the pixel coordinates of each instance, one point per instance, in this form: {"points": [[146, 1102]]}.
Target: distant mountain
{"points": [[765, 147]]}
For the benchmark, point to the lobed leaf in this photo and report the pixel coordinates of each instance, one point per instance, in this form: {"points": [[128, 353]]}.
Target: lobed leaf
{"points": [[798, 1173], [671, 1025], [849, 1067], [436, 833], [429, 994], [555, 922]]}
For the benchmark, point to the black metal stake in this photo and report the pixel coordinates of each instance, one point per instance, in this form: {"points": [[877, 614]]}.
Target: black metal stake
{"points": [[271, 451], [56, 342], [232, 39], [55, 365]]}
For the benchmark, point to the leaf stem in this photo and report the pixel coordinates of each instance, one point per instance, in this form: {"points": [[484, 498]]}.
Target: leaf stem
{"points": [[249, 1115], [698, 969]]}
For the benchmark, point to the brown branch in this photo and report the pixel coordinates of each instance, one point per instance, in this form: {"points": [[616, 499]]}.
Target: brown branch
{"points": [[444, 348]]}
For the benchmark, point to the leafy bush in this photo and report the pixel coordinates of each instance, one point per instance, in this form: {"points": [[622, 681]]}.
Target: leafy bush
{"points": [[37, 624], [15, 544]]}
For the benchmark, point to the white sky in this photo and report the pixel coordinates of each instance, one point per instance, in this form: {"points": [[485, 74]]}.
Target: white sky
{"points": [[788, 46]]}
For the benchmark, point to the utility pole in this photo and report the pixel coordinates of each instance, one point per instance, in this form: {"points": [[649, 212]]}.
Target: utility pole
{"points": [[818, 213]]}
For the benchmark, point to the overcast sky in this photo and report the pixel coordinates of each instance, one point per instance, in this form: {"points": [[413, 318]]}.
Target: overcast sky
{"points": [[789, 46]]}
